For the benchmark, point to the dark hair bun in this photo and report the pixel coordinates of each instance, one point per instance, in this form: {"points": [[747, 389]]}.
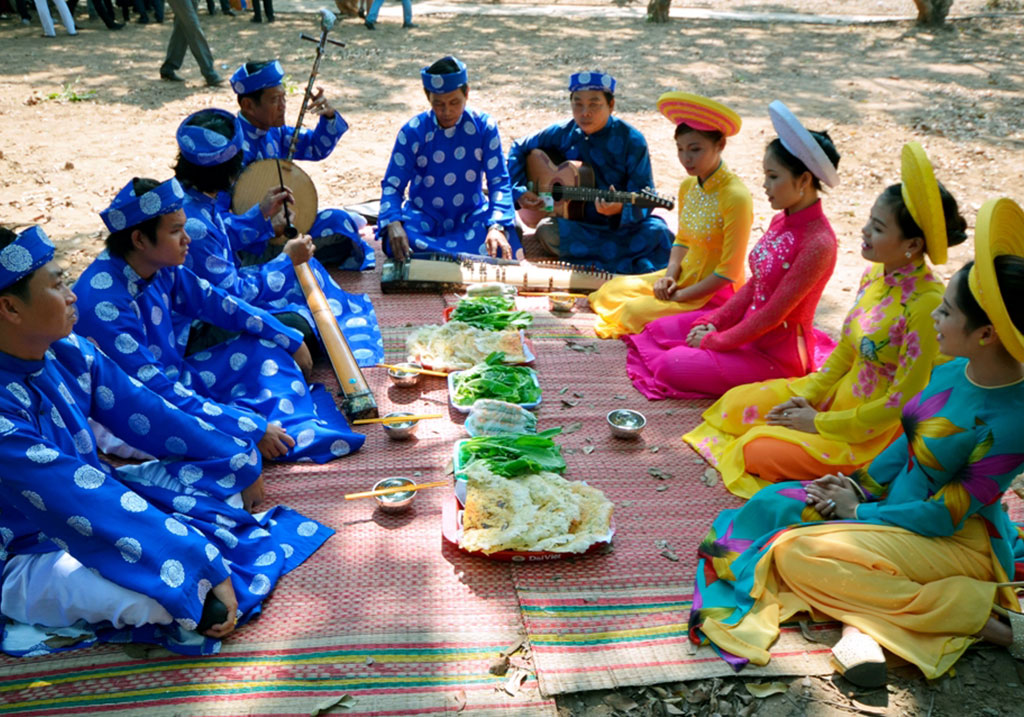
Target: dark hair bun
{"points": [[827, 146]]}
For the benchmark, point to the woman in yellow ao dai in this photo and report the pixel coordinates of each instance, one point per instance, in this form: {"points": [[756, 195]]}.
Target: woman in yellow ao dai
{"points": [[842, 416], [706, 264]]}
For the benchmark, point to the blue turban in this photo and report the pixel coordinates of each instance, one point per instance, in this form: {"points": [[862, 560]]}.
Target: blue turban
{"points": [[270, 76], [440, 84], [31, 250], [128, 210], [205, 147], [593, 80]]}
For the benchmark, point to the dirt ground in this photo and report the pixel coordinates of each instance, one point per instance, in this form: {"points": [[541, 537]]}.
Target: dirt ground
{"points": [[79, 116]]}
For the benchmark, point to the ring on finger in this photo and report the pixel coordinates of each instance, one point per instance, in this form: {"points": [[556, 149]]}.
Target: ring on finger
{"points": [[830, 504]]}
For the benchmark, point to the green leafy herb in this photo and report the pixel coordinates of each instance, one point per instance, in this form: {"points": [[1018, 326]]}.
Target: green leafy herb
{"points": [[512, 456], [493, 313], [493, 379]]}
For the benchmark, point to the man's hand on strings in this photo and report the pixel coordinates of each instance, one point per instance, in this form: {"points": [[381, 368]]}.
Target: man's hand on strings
{"points": [[497, 243], [399, 241], [530, 200], [318, 104], [609, 209], [274, 200]]}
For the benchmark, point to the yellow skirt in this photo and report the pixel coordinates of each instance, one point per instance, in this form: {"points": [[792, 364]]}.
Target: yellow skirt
{"points": [[738, 419], [626, 304], [921, 598]]}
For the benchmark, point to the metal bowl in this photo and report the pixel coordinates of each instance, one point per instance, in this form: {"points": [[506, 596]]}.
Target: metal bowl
{"points": [[626, 423], [401, 431], [394, 502], [562, 302], [404, 378]]}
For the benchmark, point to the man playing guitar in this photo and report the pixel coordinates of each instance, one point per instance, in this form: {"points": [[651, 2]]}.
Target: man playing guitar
{"points": [[613, 236]]}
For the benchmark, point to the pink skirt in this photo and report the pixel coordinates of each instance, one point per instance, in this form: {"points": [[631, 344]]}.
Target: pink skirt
{"points": [[661, 365]]}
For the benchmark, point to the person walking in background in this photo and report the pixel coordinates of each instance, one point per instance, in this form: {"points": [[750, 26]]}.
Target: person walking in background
{"points": [[188, 33], [371, 16], [46, 20]]}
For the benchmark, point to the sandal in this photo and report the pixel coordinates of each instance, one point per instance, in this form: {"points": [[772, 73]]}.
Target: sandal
{"points": [[1016, 619], [861, 660]]}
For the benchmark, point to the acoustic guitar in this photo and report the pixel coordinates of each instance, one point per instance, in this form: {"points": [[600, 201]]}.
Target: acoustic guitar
{"points": [[571, 185]]}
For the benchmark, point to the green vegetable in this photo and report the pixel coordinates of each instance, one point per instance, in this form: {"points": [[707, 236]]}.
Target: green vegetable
{"points": [[512, 456], [493, 313], [493, 379]]}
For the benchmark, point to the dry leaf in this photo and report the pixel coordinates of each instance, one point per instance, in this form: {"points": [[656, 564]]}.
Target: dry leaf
{"points": [[343, 701], [460, 700], [672, 709], [572, 428], [710, 477], [805, 630], [661, 488], [588, 449], [619, 397], [655, 449], [516, 678], [562, 390], [760, 690], [670, 555], [620, 702], [577, 394], [569, 403], [369, 660]]}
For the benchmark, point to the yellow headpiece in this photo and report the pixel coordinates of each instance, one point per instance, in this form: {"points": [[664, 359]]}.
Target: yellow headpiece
{"points": [[1000, 230], [921, 195]]}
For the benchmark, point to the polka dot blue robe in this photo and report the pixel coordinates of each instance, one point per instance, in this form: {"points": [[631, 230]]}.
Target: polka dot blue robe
{"points": [[633, 242], [443, 170], [237, 385], [272, 286], [171, 538], [313, 145]]}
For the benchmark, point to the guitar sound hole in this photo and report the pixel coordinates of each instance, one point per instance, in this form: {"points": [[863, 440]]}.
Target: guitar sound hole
{"points": [[556, 192]]}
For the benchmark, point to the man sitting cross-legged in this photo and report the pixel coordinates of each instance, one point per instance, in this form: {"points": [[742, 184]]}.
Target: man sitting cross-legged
{"points": [[442, 156], [138, 303], [611, 236], [134, 553], [262, 101], [209, 158]]}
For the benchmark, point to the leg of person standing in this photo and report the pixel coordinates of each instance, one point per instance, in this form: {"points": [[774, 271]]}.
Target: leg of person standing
{"points": [[407, 14], [188, 33], [371, 16], [45, 19]]}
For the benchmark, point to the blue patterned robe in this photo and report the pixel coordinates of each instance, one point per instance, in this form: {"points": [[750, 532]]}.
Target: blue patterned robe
{"points": [[170, 540], [248, 380], [272, 286], [443, 170], [313, 145], [633, 242]]}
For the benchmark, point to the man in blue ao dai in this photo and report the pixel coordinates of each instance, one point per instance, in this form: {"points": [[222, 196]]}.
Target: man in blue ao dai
{"points": [[132, 554], [441, 157], [262, 101]]}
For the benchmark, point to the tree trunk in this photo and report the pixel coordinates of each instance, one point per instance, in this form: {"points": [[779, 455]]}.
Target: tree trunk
{"points": [[932, 12], [657, 10]]}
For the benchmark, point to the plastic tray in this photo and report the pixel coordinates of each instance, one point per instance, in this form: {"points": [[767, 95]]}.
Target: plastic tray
{"points": [[466, 409]]}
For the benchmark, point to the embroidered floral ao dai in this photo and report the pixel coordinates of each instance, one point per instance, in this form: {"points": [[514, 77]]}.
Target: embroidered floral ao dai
{"points": [[884, 357], [272, 286], [915, 571], [170, 540], [764, 331], [443, 170], [314, 145], [714, 226], [237, 385]]}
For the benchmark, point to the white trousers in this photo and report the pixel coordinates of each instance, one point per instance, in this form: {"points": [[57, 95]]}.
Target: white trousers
{"points": [[47, 20], [55, 590]]}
